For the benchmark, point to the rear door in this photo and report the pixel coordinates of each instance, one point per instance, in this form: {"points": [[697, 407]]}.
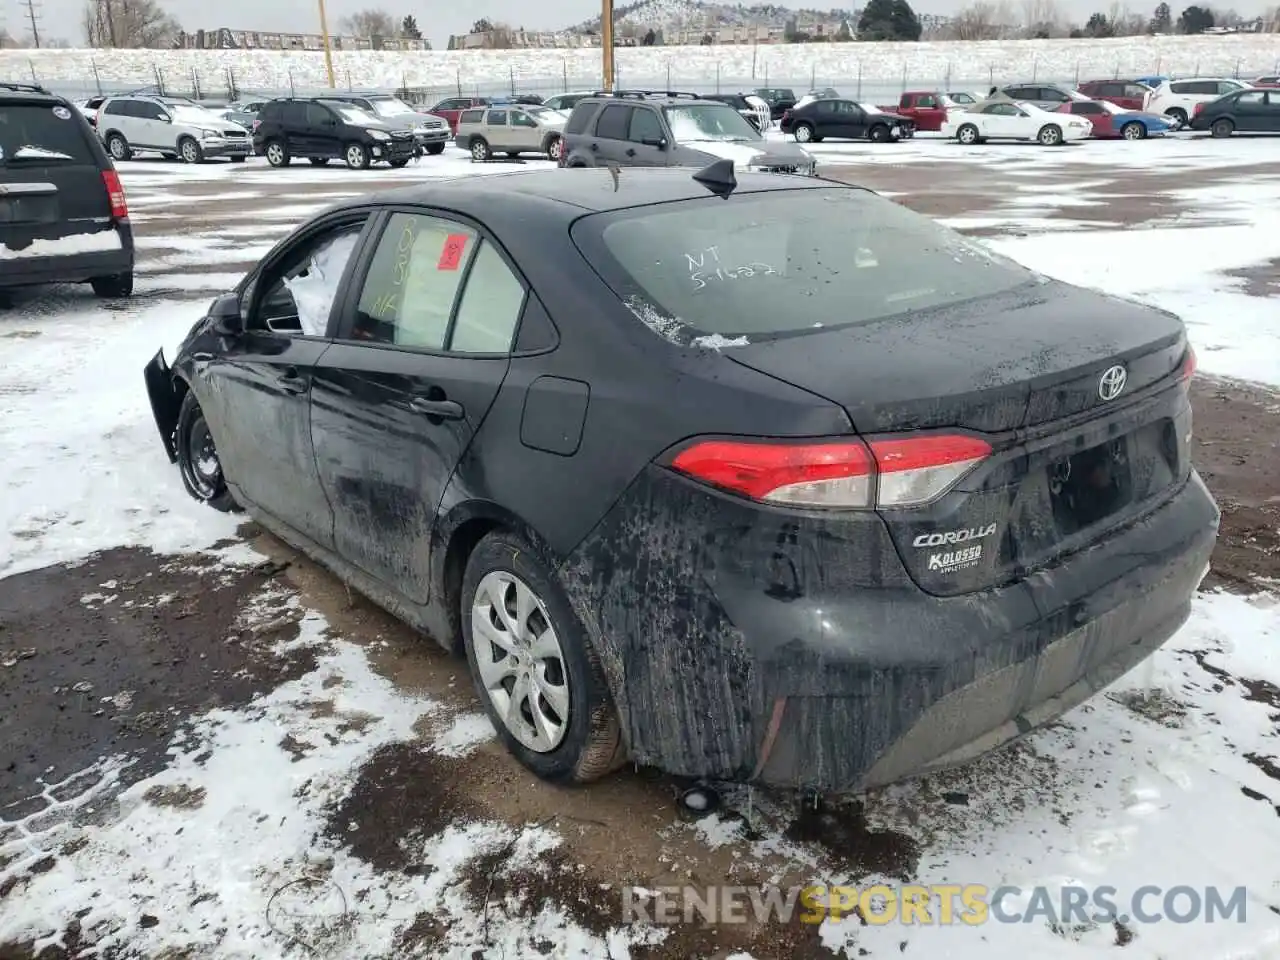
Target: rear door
{"points": [[497, 128], [423, 347], [50, 174], [154, 129], [256, 393]]}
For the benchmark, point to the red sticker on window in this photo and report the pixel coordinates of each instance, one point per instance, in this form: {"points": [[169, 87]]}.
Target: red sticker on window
{"points": [[451, 255]]}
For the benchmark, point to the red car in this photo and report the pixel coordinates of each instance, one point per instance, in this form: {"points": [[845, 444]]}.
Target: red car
{"points": [[1128, 94], [449, 109], [1111, 122], [1271, 81]]}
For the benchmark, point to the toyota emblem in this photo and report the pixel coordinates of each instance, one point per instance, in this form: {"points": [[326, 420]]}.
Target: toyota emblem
{"points": [[1112, 383]]}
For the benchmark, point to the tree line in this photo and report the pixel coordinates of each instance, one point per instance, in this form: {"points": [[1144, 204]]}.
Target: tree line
{"points": [[1001, 20]]}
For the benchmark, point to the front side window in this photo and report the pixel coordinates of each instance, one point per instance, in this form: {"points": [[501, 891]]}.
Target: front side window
{"points": [[521, 119], [645, 127], [927, 101], [739, 269], [708, 122], [298, 292], [471, 116]]}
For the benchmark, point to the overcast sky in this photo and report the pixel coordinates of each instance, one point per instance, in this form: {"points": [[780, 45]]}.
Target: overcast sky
{"points": [[61, 18]]}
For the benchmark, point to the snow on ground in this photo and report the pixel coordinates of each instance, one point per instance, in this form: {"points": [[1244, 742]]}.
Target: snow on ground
{"points": [[879, 67], [1162, 780]]}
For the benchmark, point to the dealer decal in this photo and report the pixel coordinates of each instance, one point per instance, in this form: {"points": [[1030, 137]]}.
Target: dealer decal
{"points": [[955, 559]]}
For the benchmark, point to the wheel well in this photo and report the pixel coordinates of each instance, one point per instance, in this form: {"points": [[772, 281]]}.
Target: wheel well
{"points": [[461, 544]]}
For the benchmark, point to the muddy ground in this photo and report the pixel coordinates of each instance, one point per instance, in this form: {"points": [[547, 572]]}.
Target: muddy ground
{"points": [[112, 655]]}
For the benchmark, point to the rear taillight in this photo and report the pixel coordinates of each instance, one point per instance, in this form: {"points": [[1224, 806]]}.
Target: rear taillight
{"points": [[836, 474], [1188, 365], [1196, 110], [786, 115], [115, 193], [256, 125]]}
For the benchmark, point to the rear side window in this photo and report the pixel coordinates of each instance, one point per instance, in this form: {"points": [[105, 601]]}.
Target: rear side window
{"points": [[580, 119], [470, 116], [738, 269], [317, 115], [496, 118], [614, 122], [490, 305], [270, 111], [1049, 93], [46, 133], [116, 108], [1255, 97]]}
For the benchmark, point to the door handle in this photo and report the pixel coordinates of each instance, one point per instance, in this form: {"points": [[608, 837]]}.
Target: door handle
{"points": [[290, 382], [631, 152], [444, 409], [595, 147]]}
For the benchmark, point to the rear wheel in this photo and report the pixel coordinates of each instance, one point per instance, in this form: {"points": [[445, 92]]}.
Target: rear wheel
{"points": [[118, 147], [1222, 128], [190, 151], [967, 134], [555, 149], [1133, 131], [277, 153], [803, 132], [357, 156], [1178, 116], [198, 458], [435, 149], [537, 675], [480, 149], [113, 287], [1050, 135], [878, 134]]}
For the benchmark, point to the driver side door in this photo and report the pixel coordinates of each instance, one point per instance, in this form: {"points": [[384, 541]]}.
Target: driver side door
{"points": [[1001, 120], [256, 391]]}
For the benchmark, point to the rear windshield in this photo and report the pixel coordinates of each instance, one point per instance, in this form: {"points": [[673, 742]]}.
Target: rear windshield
{"points": [[784, 263], [42, 133]]}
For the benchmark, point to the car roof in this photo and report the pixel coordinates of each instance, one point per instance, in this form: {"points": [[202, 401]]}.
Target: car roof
{"points": [[28, 93], [575, 192], [660, 97]]}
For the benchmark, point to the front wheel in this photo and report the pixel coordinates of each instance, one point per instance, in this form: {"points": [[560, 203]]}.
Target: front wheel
{"points": [[357, 156], [190, 151], [114, 286], [878, 134], [1049, 135], [277, 154], [118, 147], [967, 134], [480, 149], [803, 133], [198, 458], [534, 668], [1133, 131], [1222, 128]]}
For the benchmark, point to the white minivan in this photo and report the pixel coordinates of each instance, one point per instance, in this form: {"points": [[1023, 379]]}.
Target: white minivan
{"points": [[1177, 99]]}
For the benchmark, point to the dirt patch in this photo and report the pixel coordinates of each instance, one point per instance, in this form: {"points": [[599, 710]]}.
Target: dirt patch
{"points": [[1237, 451], [1261, 279], [1154, 705], [854, 847], [109, 657]]}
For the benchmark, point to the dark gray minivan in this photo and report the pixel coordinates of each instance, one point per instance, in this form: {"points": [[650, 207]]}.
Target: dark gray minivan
{"points": [[662, 128]]}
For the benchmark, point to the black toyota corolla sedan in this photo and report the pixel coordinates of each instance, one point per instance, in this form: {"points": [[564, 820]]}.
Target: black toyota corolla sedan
{"points": [[762, 478]]}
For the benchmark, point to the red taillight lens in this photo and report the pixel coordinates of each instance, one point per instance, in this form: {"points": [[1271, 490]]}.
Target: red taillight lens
{"points": [[1196, 110], [1188, 365], [115, 193], [256, 125], [786, 114], [842, 474]]}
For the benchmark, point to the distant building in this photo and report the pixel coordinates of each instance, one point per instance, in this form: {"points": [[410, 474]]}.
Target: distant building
{"points": [[504, 39], [227, 39]]}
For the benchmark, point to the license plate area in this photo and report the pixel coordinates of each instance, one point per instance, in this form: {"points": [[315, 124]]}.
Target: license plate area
{"points": [[29, 208], [1087, 487]]}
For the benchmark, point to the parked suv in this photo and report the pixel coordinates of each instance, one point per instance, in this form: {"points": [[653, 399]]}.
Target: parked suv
{"points": [[63, 217], [1128, 94], [325, 129], [512, 130], [1177, 99], [430, 133], [171, 126], [645, 128]]}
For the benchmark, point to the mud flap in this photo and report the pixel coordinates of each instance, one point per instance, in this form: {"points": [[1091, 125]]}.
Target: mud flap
{"points": [[164, 401]]}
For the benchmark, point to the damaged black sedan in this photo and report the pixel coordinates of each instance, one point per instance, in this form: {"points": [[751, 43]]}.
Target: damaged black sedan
{"points": [[764, 479]]}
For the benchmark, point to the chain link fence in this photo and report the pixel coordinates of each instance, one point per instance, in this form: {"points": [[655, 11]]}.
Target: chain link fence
{"points": [[223, 86]]}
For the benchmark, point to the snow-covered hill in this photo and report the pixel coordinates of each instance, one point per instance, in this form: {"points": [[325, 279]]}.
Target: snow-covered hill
{"points": [[697, 14], [877, 68]]}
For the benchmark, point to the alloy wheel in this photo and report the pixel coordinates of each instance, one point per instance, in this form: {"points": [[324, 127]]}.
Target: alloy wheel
{"points": [[1132, 131], [520, 661], [190, 151], [204, 467], [275, 154], [118, 148], [803, 134], [356, 157]]}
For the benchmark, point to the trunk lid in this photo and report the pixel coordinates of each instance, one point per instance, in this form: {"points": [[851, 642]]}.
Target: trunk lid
{"points": [[1073, 456]]}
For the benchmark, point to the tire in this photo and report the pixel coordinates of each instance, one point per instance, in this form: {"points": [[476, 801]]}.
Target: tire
{"points": [[113, 287], [555, 149], [238, 159], [967, 134], [1050, 135], [198, 458], [397, 164], [580, 738], [803, 132], [319, 161], [480, 149], [1179, 117], [878, 134], [190, 151], [356, 156], [1222, 128], [118, 147], [1133, 131], [277, 153], [435, 149]]}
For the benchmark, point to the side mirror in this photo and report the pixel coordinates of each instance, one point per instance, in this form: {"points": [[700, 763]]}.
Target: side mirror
{"points": [[226, 315], [165, 118]]}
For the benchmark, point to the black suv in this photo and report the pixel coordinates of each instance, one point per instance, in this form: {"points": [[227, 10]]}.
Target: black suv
{"points": [[322, 130], [63, 217]]}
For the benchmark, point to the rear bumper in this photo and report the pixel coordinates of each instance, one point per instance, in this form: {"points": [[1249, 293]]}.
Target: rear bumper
{"points": [[741, 644], [164, 400], [70, 267]]}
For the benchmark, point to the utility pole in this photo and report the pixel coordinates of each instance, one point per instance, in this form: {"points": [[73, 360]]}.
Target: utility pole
{"points": [[606, 42], [33, 17], [328, 54]]}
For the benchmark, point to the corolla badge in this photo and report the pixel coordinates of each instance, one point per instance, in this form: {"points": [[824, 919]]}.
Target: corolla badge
{"points": [[1111, 385]]}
